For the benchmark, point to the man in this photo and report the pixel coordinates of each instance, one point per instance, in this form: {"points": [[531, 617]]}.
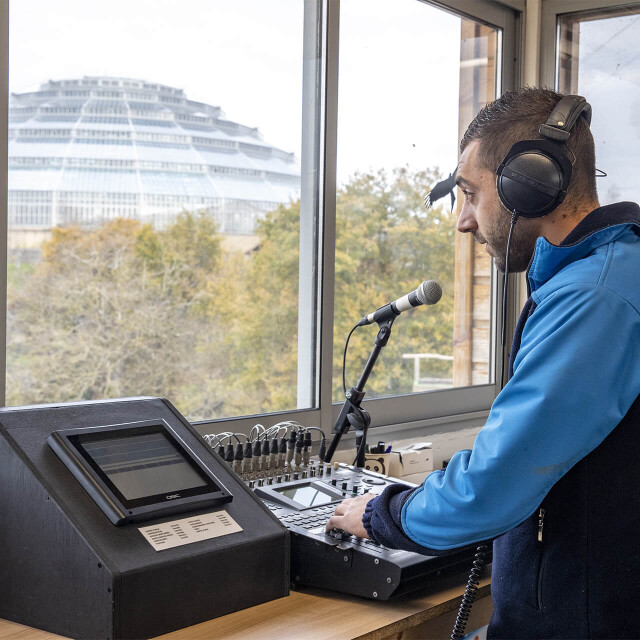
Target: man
{"points": [[553, 475]]}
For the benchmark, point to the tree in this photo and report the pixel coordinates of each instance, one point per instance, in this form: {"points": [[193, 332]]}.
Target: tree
{"points": [[386, 245], [128, 310], [262, 318], [115, 311]]}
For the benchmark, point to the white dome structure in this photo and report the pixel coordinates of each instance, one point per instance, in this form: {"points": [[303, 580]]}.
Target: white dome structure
{"points": [[85, 151]]}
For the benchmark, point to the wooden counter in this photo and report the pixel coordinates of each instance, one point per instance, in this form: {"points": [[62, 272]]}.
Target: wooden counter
{"points": [[314, 614]]}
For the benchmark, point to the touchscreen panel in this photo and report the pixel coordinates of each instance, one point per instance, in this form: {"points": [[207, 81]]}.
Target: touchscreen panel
{"points": [[306, 495], [144, 465]]}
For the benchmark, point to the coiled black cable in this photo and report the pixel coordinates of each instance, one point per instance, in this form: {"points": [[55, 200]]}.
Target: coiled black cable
{"points": [[469, 594], [474, 577]]}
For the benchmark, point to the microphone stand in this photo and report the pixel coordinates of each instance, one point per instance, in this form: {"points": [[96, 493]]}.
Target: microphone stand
{"points": [[352, 414]]}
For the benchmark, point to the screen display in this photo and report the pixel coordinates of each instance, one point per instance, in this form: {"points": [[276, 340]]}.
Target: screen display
{"points": [[143, 465], [306, 495]]}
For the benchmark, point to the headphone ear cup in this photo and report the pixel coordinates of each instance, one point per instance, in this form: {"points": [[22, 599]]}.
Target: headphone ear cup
{"points": [[533, 179]]}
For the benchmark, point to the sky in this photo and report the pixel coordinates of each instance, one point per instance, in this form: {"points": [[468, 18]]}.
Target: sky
{"points": [[398, 86], [609, 78], [398, 83], [398, 80]]}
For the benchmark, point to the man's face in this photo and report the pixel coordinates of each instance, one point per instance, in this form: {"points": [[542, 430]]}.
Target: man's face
{"points": [[486, 217]]}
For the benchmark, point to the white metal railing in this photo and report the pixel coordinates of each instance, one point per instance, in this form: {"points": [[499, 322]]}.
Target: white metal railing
{"points": [[425, 383]]}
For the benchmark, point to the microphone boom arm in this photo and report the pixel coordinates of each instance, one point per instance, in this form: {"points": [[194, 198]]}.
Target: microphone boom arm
{"points": [[352, 413]]}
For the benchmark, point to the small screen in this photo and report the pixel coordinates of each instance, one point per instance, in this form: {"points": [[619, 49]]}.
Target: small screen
{"points": [[306, 495], [143, 465]]}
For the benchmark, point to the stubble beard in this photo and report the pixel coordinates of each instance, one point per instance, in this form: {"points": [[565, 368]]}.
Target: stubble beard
{"points": [[523, 241]]}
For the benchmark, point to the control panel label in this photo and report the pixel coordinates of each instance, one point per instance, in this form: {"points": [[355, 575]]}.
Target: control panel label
{"points": [[187, 530]]}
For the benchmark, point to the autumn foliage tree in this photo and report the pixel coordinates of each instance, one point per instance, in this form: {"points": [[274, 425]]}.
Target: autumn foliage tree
{"points": [[114, 312], [386, 245], [127, 309]]}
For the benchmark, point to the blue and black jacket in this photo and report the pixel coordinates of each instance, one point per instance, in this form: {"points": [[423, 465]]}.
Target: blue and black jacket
{"points": [[560, 448]]}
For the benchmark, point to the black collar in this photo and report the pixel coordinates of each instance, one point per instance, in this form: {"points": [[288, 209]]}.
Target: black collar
{"points": [[601, 218]]}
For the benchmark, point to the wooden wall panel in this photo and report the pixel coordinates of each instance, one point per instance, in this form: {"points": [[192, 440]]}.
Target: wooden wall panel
{"points": [[472, 292]]}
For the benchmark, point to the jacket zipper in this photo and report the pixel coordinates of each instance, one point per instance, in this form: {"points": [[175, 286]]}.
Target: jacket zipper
{"points": [[541, 513], [540, 523]]}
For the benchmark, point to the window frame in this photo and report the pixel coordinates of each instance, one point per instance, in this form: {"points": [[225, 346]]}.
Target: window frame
{"points": [[551, 10], [439, 409], [4, 181], [418, 410]]}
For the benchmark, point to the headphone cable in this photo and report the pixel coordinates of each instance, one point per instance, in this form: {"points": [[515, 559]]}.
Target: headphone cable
{"points": [[514, 218], [472, 586]]}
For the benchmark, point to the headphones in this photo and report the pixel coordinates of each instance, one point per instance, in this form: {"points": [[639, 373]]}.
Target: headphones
{"points": [[534, 176]]}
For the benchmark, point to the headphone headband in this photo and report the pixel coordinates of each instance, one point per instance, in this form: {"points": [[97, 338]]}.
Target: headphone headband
{"points": [[564, 116]]}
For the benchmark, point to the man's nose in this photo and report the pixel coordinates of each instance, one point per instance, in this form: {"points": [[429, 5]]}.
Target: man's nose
{"points": [[466, 221]]}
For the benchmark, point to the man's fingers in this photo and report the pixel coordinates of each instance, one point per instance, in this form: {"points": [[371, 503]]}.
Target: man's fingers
{"points": [[344, 506], [348, 516], [333, 523], [340, 510]]}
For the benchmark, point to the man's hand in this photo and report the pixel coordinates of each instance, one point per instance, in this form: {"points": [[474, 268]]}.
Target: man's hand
{"points": [[348, 515]]}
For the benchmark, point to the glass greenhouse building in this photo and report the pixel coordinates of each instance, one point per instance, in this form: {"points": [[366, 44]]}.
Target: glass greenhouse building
{"points": [[84, 151]]}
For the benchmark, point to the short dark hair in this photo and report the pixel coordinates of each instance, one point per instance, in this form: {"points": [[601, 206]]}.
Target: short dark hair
{"points": [[517, 115]]}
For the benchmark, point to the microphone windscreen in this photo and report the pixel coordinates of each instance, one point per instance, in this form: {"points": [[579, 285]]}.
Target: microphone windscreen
{"points": [[429, 292]]}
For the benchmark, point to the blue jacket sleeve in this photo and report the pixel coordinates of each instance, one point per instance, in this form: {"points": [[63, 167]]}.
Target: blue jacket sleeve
{"points": [[575, 376], [381, 520]]}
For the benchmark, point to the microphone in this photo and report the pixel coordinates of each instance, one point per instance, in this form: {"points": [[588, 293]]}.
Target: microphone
{"points": [[429, 292]]}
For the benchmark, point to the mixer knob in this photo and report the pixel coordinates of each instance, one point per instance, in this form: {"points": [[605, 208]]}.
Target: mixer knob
{"points": [[339, 533]]}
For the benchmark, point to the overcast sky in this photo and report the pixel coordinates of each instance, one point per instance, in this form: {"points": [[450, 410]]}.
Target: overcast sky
{"points": [[398, 83], [398, 77], [609, 78]]}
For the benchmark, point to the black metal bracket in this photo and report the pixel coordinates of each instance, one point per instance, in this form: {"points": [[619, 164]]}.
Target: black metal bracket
{"points": [[352, 414]]}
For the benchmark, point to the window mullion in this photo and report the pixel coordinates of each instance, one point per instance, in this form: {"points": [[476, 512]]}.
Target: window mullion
{"points": [[327, 240], [309, 205], [4, 135]]}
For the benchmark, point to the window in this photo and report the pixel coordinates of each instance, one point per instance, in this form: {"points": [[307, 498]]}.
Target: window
{"points": [[412, 76], [158, 297], [219, 213], [597, 58], [404, 68]]}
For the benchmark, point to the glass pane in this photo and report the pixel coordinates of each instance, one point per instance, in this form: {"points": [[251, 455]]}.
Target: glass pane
{"points": [[598, 59], [154, 189], [411, 79]]}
